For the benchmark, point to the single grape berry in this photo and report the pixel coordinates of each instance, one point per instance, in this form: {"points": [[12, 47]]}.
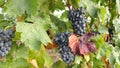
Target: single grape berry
{"points": [[5, 41], [77, 17], [10, 33]]}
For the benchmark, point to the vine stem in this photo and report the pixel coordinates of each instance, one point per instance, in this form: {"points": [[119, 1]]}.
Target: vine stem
{"points": [[68, 4], [18, 20], [88, 28]]}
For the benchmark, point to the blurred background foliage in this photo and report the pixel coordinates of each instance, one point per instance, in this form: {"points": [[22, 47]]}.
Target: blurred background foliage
{"points": [[38, 21]]}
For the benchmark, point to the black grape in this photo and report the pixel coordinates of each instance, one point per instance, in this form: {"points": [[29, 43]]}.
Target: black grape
{"points": [[5, 41], [77, 17]]}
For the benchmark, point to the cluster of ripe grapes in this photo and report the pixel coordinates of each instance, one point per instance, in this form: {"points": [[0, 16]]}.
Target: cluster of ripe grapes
{"points": [[5, 41], [77, 17], [62, 40]]}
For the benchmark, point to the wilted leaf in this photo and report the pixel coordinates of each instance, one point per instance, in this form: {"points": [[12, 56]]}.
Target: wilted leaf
{"points": [[73, 43], [82, 45]]}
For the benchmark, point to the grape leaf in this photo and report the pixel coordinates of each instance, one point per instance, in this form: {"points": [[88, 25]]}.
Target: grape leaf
{"points": [[18, 7], [116, 23], [22, 52], [16, 63], [112, 59], [21, 63], [73, 43], [59, 64], [103, 29], [32, 35], [87, 57], [117, 5], [75, 3], [117, 42], [48, 60], [56, 4], [58, 23], [103, 13], [82, 46], [117, 65], [91, 7], [35, 55], [98, 63]]}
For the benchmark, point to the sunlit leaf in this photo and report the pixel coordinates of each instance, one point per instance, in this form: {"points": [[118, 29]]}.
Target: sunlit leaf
{"points": [[103, 13], [18, 7], [32, 35]]}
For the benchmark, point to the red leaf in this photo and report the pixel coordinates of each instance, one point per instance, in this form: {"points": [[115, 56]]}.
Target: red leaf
{"points": [[73, 43], [81, 45], [83, 49], [91, 46]]}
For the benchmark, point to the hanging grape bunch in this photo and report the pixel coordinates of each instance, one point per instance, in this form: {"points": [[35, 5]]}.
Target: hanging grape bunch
{"points": [[76, 43], [62, 39], [77, 17], [5, 41]]}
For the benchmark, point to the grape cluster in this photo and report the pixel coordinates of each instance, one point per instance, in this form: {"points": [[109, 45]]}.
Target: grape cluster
{"points": [[5, 41], [62, 40], [66, 54], [78, 20]]}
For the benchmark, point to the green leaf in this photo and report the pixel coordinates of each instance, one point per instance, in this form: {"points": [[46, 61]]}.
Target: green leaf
{"points": [[22, 52], [103, 13], [17, 52], [116, 23], [91, 7], [39, 58], [103, 29], [108, 51], [58, 23], [92, 10], [44, 56], [1, 3], [21, 63], [78, 59], [56, 4], [33, 34], [117, 65], [59, 64], [87, 57], [112, 59], [16, 63], [117, 5], [116, 53], [98, 63], [99, 41], [17, 36], [75, 3], [18, 7], [117, 43], [4, 23]]}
